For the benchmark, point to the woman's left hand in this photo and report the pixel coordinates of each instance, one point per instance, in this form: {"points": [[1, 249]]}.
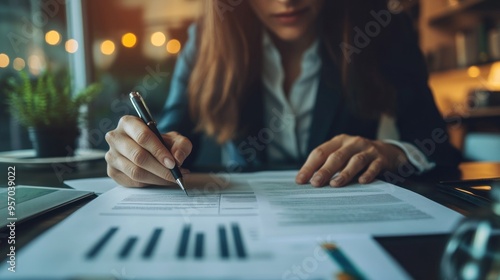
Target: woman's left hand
{"points": [[349, 155]]}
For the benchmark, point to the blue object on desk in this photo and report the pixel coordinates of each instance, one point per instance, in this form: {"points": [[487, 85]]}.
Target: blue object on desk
{"points": [[34, 201], [350, 271]]}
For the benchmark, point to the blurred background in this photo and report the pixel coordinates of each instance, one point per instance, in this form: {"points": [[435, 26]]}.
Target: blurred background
{"points": [[133, 44]]}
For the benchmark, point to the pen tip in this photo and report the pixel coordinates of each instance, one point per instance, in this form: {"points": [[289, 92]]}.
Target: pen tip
{"points": [[180, 182]]}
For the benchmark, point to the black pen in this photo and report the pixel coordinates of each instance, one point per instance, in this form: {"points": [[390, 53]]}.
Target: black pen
{"points": [[145, 115]]}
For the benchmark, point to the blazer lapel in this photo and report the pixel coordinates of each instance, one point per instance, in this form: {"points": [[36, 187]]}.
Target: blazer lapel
{"points": [[253, 119], [326, 108]]}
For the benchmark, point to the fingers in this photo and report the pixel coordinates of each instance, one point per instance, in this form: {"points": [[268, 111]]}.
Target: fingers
{"points": [[333, 164], [373, 170], [355, 165], [347, 154], [128, 174], [137, 155], [317, 158], [180, 146], [144, 137], [184, 170], [123, 179]]}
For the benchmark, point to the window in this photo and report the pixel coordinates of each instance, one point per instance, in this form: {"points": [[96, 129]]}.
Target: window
{"points": [[33, 38], [124, 41]]}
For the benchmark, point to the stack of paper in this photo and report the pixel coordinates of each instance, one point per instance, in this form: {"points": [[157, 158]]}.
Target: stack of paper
{"points": [[245, 226]]}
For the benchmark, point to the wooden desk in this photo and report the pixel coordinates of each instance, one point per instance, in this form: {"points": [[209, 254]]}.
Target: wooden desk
{"points": [[474, 170], [420, 255]]}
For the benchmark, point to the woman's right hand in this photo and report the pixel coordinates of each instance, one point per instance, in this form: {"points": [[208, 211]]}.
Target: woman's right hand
{"points": [[137, 158]]}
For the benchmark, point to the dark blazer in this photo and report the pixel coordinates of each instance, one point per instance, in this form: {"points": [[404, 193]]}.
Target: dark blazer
{"points": [[417, 118]]}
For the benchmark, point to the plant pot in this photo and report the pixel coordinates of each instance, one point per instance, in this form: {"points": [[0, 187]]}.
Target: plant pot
{"points": [[54, 141]]}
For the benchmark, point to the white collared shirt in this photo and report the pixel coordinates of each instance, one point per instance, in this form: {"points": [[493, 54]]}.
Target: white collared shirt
{"points": [[289, 139]]}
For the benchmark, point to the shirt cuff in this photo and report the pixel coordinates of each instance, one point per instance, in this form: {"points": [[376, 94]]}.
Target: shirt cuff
{"points": [[414, 155]]}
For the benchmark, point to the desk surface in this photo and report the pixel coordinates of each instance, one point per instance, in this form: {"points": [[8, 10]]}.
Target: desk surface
{"points": [[419, 255]]}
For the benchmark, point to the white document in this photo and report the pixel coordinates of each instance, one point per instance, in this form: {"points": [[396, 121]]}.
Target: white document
{"points": [[207, 248], [209, 196], [96, 185], [379, 209], [159, 233]]}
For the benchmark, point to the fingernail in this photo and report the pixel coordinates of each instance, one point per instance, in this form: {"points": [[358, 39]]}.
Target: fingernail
{"points": [[301, 178], [317, 179], [363, 180], [169, 163], [338, 180]]}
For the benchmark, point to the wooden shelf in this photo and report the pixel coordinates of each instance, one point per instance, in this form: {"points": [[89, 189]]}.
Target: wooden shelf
{"points": [[466, 14]]}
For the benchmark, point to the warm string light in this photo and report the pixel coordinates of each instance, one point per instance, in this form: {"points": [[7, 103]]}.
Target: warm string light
{"points": [[4, 60], [71, 46], [53, 37], [173, 46], [19, 64], [158, 39], [129, 40], [107, 47], [35, 63]]}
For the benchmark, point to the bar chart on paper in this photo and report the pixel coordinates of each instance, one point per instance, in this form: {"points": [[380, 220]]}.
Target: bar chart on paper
{"points": [[187, 242], [131, 233]]}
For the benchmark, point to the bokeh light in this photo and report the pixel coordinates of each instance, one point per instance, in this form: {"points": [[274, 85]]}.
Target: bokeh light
{"points": [[158, 39], [52, 37], [173, 46], [129, 40], [19, 64], [35, 64], [473, 71], [71, 46], [4, 60], [108, 47]]}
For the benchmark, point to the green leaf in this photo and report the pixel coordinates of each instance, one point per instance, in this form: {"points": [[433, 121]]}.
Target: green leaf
{"points": [[47, 101]]}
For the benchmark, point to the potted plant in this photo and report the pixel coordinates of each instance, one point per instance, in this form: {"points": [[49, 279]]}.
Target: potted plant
{"points": [[49, 111]]}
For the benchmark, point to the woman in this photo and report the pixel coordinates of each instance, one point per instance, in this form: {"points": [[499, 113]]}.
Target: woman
{"points": [[309, 82]]}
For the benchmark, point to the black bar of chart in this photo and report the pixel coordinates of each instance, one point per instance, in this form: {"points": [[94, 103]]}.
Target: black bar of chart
{"points": [[127, 248], [199, 242], [151, 245], [223, 242], [217, 241], [224, 248], [94, 251], [238, 241], [182, 252], [198, 247]]}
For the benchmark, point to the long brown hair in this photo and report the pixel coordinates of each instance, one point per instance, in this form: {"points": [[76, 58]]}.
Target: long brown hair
{"points": [[229, 61]]}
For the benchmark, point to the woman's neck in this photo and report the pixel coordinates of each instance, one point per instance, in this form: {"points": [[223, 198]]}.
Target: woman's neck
{"points": [[291, 57], [290, 49]]}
